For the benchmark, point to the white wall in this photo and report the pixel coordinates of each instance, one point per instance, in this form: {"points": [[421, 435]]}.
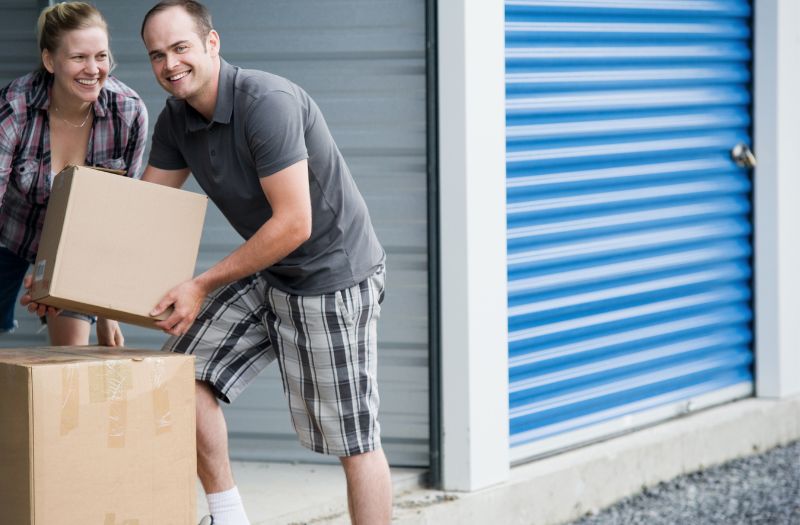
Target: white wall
{"points": [[472, 207], [777, 197], [474, 325]]}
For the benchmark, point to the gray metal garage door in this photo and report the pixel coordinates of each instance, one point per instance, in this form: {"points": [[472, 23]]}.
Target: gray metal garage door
{"points": [[364, 63], [19, 55]]}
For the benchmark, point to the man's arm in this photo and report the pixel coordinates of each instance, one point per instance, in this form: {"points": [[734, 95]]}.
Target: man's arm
{"points": [[289, 226], [172, 178]]}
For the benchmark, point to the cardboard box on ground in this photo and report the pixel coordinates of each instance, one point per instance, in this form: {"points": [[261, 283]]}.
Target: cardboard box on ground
{"points": [[93, 435], [114, 246]]}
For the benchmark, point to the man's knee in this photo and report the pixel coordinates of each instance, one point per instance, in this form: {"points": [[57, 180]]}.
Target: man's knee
{"points": [[205, 394], [356, 461]]}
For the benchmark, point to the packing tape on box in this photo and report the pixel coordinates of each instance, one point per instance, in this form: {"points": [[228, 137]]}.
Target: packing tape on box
{"points": [[161, 409], [70, 398], [111, 519], [119, 379], [110, 382]]}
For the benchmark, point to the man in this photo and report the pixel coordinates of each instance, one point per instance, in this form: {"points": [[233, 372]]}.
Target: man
{"points": [[306, 285]]}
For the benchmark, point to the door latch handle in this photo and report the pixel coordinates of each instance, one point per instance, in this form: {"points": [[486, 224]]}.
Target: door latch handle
{"points": [[743, 156]]}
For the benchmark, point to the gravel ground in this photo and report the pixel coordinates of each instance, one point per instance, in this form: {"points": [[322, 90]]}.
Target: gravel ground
{"points": [[762, 489]]}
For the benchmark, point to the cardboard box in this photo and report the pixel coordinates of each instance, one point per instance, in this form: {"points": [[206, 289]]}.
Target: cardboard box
{"points": [[114, 246], [94, 436]]}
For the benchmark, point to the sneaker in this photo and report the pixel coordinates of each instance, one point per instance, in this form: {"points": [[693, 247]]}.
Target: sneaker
{"points": [[208, 520], [11, 329]]}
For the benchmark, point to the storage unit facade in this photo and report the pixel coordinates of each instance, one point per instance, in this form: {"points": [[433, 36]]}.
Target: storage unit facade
{"points": [[556, 178]]}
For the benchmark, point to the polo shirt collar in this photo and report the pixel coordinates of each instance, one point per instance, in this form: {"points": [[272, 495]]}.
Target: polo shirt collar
{"points": [[224, 107]]}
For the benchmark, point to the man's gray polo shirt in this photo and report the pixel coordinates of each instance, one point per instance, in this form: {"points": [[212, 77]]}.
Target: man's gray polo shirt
{"points": [[262, 124]]}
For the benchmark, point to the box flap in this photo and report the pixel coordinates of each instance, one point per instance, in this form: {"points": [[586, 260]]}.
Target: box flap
{"points": [[55, 223], [99, 168], [38, 356]]}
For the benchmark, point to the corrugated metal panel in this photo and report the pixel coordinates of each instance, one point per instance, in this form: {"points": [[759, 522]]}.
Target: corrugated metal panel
{"points": [[19, 54], [628, 223], [363, 61]]}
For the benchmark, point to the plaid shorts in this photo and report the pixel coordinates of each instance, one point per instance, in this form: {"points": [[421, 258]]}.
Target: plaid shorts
{"points": [[325, 346]]}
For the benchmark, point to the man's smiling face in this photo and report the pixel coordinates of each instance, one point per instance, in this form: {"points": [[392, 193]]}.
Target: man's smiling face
{"points": [[182, 61]]}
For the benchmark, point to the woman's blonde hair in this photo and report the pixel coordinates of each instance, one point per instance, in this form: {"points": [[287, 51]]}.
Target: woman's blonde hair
{"points": [[59, 18]]}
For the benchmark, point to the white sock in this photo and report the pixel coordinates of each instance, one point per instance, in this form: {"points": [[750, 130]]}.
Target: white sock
{"points": [[226, 508]]}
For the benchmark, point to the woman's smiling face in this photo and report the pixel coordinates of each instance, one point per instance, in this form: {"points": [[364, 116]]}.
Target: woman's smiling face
{"points": [[80, 64]]}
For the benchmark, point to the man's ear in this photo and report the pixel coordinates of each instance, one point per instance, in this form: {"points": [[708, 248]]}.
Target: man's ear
{"points": [[213, 43], [47, 60]]}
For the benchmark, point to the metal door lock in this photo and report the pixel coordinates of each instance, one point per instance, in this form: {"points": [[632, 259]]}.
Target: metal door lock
{"points": [[743, 156]]}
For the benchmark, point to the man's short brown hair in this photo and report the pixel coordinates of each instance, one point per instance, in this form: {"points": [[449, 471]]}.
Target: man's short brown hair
{"points": [[199, 12]]}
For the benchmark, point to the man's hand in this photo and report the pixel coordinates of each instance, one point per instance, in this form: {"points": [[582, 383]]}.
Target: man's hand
{"points": [[288, 227], [186, 299], [109, 333], [35, 308]]}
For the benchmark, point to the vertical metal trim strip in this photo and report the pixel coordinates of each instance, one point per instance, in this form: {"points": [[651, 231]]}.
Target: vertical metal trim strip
{"points": [[434, 337]]}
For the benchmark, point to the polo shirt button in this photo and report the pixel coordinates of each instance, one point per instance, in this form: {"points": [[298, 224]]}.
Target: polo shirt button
{"points": [[213, 152]]}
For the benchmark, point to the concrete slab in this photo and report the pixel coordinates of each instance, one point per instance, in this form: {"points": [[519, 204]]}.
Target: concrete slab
{"points": [[286, 493], [548, 491], [566, 486]]}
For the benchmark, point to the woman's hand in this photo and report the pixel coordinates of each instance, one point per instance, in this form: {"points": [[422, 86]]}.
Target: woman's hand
{"points": [[35, 308], [109, 333]]}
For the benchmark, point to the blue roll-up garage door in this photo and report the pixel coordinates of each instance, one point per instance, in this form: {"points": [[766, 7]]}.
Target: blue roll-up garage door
{"points": [[628, 223]]}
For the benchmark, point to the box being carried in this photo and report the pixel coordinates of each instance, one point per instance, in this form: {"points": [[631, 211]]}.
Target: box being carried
{"points": [[114, 246], [97, 436]]}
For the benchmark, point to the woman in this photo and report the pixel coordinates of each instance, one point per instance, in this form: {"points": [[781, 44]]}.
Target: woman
{"points": [[70, 111]]}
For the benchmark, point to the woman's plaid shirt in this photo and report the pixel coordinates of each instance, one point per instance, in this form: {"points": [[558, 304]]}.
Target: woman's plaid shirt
{"points": [[117, 141]]}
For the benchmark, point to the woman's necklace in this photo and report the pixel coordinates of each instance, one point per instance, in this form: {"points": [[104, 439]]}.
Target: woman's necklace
{"points": [[85, 119]]}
